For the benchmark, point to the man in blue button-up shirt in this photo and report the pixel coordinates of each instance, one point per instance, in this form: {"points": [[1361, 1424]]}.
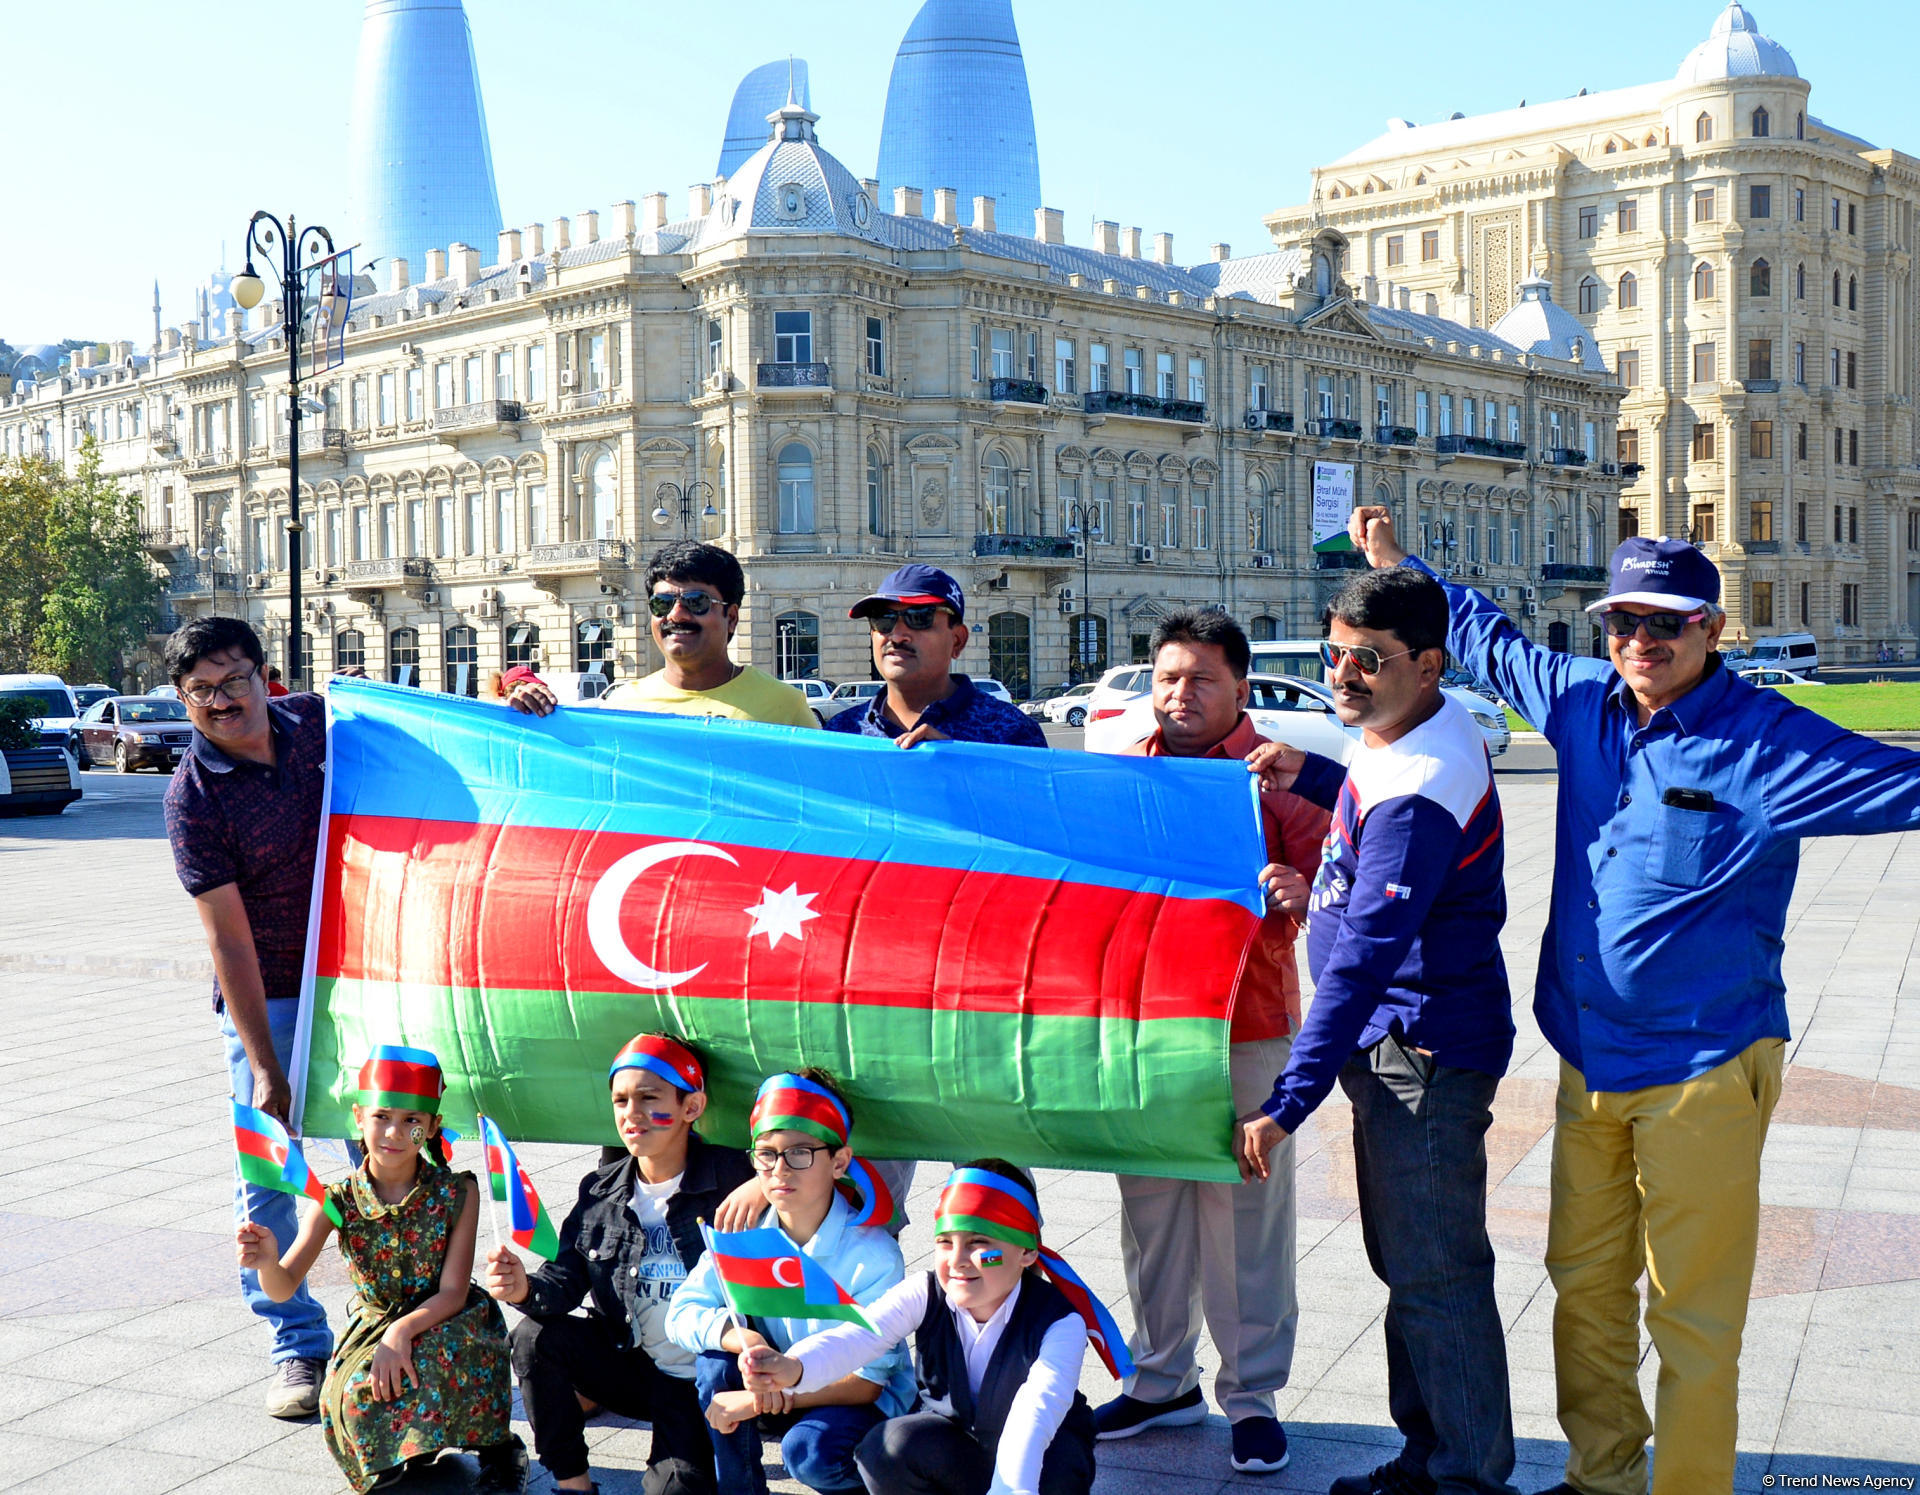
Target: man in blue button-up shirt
{"points": [[1684, 794]]}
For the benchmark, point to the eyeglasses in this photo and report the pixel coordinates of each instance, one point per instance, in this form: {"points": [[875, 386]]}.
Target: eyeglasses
{"points": [[697, 604], [235, 688], [1368, 660], [1665, 627], [919, 618], [799, 1157]]}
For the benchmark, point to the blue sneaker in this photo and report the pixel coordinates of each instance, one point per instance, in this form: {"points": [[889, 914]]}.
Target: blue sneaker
{"points": [[1126, 1415], [1259, 1445]]}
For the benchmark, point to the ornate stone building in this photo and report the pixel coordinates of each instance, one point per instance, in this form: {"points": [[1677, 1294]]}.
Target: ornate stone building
{"points": [[1747, 269], [1088, 437]]}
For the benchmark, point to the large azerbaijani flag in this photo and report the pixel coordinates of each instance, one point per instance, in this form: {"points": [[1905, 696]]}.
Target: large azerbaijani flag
{"points": [[998, 950]]}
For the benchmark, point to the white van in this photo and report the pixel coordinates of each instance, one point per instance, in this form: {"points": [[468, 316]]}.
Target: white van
{"points": [[1797, 653], [1299, 657], [53, 706]]}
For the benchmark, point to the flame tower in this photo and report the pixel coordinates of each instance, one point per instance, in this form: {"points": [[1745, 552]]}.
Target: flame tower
{"points": [[420, 172]]}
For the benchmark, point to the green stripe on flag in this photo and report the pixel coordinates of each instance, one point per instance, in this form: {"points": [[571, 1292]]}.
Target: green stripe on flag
{"points": [[263, 1173], [1103, 1094], [790, 1303]]}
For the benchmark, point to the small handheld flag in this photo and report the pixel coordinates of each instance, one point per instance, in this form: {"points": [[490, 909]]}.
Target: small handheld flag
{"points": [[532, 1226], [764, 1275], [271, 1159]]}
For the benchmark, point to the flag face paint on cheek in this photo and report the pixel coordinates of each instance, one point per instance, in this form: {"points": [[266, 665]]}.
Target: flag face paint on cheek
{"points": [[417, 1135], [992, 1258], [660, 1118]]}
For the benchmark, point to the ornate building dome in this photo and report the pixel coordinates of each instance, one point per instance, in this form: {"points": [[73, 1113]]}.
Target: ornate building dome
{"points": [[1539, 325], [1736, 49]]}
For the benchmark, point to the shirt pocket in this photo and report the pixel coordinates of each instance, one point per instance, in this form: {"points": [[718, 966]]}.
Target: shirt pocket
{"points": [[1691, 847]]}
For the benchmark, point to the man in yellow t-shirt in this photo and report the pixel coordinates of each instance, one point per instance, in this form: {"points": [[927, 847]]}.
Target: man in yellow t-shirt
{"points": [[693, 596]]}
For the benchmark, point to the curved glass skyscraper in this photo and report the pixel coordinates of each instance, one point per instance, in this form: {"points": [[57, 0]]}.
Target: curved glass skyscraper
{"points": [[959, 114], [420, 173], [760, 93]]}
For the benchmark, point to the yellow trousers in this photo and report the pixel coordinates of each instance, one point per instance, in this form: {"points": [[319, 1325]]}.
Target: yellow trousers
{"points": [[1665, 1181]]}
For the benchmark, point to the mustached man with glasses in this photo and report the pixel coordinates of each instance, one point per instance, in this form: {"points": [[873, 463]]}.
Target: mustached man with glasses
{"points": [[243, 816], [1411, 1015], [918, 616], [693, 604], [1684, 794]]}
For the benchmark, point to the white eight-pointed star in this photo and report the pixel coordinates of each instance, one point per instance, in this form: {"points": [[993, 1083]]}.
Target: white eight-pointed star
{"points": [[778, 915]]}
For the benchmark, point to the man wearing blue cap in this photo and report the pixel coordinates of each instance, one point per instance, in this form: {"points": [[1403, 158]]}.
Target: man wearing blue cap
{"points": [[1684, 794], [918, 617]]}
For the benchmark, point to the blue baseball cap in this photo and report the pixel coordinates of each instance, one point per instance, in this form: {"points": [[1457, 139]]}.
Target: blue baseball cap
{"points": [[1661, 573], [911, 585]]}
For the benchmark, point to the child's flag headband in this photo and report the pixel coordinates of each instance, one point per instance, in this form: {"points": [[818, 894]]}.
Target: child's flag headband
{"points": [[671, 1061], [789, 1103], [981, 1202], [403, 1079]]}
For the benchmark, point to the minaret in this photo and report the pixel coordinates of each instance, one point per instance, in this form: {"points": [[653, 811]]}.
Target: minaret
{"points": [[419, 169], [958, 111], [156, 314], [760, 93]]}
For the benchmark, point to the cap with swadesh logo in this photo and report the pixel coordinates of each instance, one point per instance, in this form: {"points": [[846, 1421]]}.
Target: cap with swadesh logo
{"points": [[911, 585], [1661, 573]]}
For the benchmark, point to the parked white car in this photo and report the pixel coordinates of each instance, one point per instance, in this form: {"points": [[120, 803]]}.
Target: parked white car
{"points": [[986, 685], [818, 693], [1767, 675], [845, 697], [1069, 708]]}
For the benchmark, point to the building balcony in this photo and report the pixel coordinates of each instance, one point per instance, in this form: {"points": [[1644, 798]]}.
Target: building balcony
{"points": [[484, 418], [201, 583], [1046, 549], [546, 563], [1481, 446], [800, 376], [586, 399], [208, 461], [328, 442], [1576, 578], [1564, 456], [1147, 407], [1018, 391], [165, 545], [1762, 547], [1762, 386], [165, 621], [383, 573], [1630, 471], [1269, 420], [1395, 435], [1339, 560], [1332, 428]]}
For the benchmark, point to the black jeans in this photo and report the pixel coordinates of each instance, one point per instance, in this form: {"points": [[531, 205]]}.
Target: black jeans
{"points": [[1420, 1156], [924, 1453], [556, 1358]]}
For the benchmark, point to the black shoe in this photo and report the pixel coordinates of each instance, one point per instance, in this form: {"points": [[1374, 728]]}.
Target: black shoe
{"points": [[503, 1468], [1126, 1415], [1259, 1445], [1391, 1478]]}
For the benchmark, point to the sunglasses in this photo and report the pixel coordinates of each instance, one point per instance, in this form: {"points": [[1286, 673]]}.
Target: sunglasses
{"points": [[919, 618], [697, 604], [1662, 626], [1367, 660]]}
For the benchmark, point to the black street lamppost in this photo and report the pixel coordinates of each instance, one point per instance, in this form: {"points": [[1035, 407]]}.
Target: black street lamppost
{"points": [[1083, 520], [266, 234], [682, 498]]}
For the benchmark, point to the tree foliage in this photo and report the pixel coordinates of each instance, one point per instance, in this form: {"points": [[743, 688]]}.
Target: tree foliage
{"points": [[77, 592]]}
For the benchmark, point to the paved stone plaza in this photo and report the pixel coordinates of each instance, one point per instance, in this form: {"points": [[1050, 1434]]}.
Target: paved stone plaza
{"points": [[129, 1365]]}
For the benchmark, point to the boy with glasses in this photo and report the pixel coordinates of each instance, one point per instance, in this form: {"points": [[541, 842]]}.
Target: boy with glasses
{"points": [[918, 618], [801, 1128], [243, 819], [1683, 797]]}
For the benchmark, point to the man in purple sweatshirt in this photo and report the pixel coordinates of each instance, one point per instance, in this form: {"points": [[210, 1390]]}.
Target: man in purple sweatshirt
{"points": [[1411, 1015]]}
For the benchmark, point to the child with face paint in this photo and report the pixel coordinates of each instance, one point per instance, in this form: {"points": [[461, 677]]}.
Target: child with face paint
{"points": [[625, 1250], [1000, 1326], [423, 1364], [801, 1128]]}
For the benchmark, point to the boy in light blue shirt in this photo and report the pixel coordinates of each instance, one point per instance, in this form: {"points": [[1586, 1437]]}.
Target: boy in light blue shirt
{"points": [[800, 1127]]}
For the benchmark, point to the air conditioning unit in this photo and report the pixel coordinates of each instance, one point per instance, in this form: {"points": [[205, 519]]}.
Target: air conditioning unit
{"points": [[610, 611], [1500, 594], [1529, 593], [1261, 560], [1079, 550], [999, 583], [489, 594], [1143, 554], [1477, 570], [429, 598], [488, 609], [566, 378], [502, 565], [255, 581], [406, 350], [718, 382], [1066, 599], [1531, 609]]}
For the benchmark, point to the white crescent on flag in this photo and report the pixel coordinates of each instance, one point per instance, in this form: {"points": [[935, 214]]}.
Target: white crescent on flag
{"points": [[774, 1270], [603, 913]]}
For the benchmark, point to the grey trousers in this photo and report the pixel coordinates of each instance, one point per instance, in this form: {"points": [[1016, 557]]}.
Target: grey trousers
{"points": [[1219, 1252]]}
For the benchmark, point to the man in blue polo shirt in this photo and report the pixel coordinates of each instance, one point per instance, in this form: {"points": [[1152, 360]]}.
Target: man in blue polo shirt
{"points": [[1684, 794], [918, 617]]}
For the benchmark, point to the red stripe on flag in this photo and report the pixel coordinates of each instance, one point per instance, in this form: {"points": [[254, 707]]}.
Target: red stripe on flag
{"points": [[505, 907], [257, 1145], [760, 1271]]}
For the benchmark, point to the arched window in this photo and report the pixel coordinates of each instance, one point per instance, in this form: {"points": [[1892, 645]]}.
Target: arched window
{"points": [[1592, 542], [1836, 287], [463, 662], [795, 515], [523, 645], [1800, 282], [1703, 282], [1760, 279], [1010, 652], [1628, 291], [1089, 646], [349, 650], [1259, 537], [1550, 537], [1853, 293], [796, 643], [1589, 296], [1762, 124], [403, 656], [593, 653], [1263, 628], [1703, 127], [876, 493], [603, 495], [996, 493], [1800, 125]]}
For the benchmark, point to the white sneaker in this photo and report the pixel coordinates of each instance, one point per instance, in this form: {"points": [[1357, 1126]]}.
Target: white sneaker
{"points": [[295, 1391]]}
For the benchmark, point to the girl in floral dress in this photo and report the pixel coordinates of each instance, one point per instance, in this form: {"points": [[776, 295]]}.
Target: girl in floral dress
{"points": [[423, 1365]]}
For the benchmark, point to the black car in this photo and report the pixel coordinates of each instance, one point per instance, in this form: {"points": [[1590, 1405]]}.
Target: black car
{"points": [[132, 732]]}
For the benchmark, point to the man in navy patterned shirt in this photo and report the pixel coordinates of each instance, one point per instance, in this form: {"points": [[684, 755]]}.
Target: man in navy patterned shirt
{"points": [[243, 816], [918, 617]]}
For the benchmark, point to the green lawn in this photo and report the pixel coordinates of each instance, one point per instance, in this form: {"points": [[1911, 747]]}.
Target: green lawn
{"points": [[1516, 722], [1887, 706]]}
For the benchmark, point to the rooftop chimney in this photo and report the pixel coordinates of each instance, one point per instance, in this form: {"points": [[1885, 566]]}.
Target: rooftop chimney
{"points": [[465, 261], [536, 241], [399, 275], [983, 214], [946, 205], [562, 234], [871, 186], [1406, 299], [1106, 236], [170, 339], [1130, 243], [1221, 253], [436, 264], [623, 219], [590, 226], [653, 212], [1163, 249], [236, 321], [907, 202], [509, 246], [699, 199], [1050, 225]]}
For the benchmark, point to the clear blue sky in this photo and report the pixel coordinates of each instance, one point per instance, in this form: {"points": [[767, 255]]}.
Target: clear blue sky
{"points": [[142, 134]]}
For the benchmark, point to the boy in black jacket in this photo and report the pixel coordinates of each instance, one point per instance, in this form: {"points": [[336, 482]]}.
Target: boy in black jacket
{"points": [[629, 1242]]}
